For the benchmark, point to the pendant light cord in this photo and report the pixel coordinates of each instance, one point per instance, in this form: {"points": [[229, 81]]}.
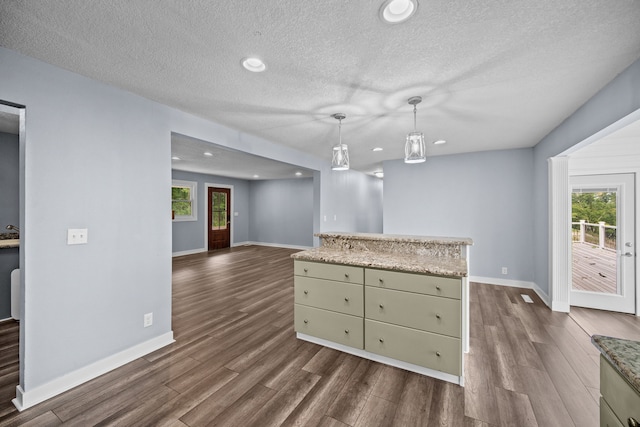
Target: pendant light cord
{"points": [[414, 117]]}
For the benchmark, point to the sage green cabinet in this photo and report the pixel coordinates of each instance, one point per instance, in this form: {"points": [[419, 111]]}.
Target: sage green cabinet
{"points": [[619, 396], [412, 320], [329, 325]]}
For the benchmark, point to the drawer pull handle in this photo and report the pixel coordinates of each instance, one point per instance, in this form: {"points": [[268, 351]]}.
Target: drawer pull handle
{"points": [[438, 353], [438, 288], [346, 275], [306, 270], [305, 321], [306, 292], [381, 340], [381, 306], [437, 316], [346, 299], [380, 280], [632, 422], [346, 331]]}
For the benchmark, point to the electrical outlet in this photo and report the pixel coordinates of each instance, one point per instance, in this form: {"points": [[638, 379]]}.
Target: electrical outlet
{"points": [[148, 320], [504, 270], [77, 236]]}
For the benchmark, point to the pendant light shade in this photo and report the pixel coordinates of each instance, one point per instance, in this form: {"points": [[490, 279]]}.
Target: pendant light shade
{"points": [[340, 152], [414, 148]]}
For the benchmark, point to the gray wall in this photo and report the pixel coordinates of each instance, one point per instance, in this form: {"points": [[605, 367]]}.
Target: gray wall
{"points": [[269, 211], [82, 169], [84, 142], [352, 202], [190, 235], [9, 214], [486, 196], [281, 211], [616, 100]]}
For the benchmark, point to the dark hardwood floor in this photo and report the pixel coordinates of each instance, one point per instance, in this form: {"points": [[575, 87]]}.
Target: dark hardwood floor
{"points": [[236, 362]]}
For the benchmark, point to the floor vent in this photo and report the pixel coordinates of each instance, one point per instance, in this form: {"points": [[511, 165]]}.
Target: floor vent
{"points": [[526, 298]]}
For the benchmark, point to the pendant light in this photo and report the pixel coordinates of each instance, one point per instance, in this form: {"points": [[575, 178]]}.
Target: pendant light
{"points": [[340, 157], [414, 150]]}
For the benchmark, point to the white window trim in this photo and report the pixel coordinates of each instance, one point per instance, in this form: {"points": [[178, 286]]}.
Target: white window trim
{"points": [[194, 199]]}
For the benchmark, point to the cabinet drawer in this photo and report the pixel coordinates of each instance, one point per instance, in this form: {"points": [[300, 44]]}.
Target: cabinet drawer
{"points": [[319, 270], [411, 345], [329, 325], [420, 283], [337, 296], [621, 397], [607, 417], [425, 312]]}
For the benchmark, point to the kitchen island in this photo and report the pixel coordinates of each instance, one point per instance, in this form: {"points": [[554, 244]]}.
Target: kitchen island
{"points": [[396, 299], [619, 381]]}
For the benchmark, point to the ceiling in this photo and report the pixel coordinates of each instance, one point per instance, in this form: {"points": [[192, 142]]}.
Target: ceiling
{"points": [[493, 75], [188, 155]]}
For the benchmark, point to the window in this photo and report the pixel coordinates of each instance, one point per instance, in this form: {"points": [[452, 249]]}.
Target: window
{"points": [[219, 211], [183, 200]]}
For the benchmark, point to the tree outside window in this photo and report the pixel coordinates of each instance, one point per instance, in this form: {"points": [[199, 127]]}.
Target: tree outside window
{"points": [[183, 200]]}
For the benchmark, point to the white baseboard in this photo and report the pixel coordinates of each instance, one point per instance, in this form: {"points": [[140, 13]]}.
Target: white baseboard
{"points": [[27, 399], [274, 245], [386, 360], [189, 252], [514, 284]]}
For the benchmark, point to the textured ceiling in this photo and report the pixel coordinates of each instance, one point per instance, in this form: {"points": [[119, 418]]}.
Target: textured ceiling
{"points": [[493, 75]]}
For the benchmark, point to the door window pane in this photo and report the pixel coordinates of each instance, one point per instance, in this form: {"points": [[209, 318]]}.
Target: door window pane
{"points": [[594, 245], [219, 211]]}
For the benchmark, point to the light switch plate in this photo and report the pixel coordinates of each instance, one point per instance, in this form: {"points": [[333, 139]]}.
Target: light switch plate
{"points": [[77, 236]]}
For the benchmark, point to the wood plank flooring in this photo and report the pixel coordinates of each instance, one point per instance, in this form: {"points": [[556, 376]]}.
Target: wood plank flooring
{"points": [[236, 362], [593, 269]]}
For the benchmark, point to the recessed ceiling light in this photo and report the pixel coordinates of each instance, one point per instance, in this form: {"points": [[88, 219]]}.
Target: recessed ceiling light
{"points": [[379, 174], [175, 158], [206, 153], [298, 173], [439, 142], [256, 176], [254, 64], [377, 149], [396, 11]]}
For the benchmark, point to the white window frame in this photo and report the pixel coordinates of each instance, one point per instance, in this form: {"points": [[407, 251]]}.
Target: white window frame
{"points": [[194, 199]]}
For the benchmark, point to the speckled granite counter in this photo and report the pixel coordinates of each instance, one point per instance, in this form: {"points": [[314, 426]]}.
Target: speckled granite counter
{"points": [[440, 256], [9, 240], [624, 355]]}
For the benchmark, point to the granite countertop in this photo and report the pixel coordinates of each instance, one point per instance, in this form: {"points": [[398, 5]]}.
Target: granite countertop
{"points": [[398, 238], [9, 240], [404, 263], [624, 355]]}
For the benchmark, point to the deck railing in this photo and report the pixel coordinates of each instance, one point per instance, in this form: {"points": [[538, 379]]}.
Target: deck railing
{"points": [[600, 234]]}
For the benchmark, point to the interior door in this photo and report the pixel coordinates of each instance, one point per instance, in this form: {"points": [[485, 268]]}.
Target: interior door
{"points": [[603, 242], [219, 217]]}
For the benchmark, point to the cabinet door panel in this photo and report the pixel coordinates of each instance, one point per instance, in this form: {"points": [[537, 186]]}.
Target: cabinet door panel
{"points": [[411, 345], [336, 296], [420, 283], [425, 312], [341, 273], [621, 397], [337, 327], [607, 417]]}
